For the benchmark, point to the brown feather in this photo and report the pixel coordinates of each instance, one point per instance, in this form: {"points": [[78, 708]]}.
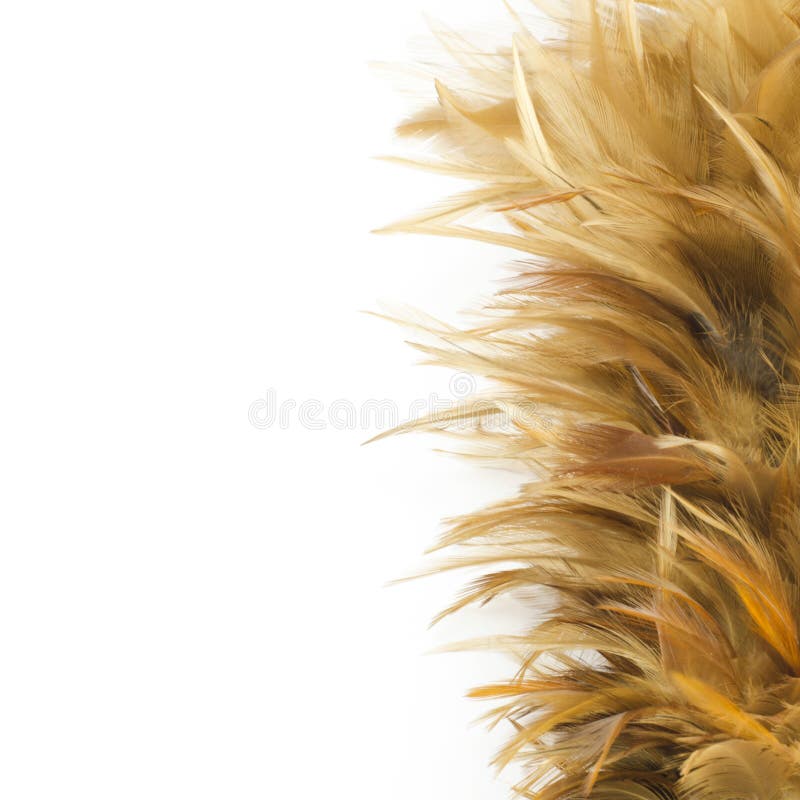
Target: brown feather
{"points": [[645, 360]]}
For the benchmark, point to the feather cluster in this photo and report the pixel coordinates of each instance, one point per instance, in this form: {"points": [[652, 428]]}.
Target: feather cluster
{"points": [[646, 359]]}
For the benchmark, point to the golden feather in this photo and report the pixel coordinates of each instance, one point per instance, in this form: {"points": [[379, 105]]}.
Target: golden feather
{"points": [[646, 363]]}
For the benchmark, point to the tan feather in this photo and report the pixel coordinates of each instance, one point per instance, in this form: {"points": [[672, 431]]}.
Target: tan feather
{"points": [[645, 361]]}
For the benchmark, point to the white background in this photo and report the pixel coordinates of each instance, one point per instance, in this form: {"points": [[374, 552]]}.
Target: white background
{"points": [[192, 606]]}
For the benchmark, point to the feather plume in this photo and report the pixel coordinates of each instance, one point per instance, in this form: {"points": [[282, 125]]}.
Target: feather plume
{"points": [[645, 164]]}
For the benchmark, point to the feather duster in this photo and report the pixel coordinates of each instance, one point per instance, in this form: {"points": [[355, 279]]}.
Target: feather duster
{"points": [[645, 362]]}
